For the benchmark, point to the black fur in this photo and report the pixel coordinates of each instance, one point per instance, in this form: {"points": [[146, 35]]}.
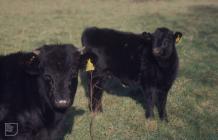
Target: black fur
{"points": [[37, 90], [148, 60]]}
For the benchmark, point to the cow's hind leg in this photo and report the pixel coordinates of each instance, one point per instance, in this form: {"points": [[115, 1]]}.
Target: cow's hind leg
{"points": [[95, 93]]}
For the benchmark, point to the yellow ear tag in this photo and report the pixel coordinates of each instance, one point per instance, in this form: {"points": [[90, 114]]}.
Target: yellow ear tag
{"points": [[178, 38], [89, 65]]}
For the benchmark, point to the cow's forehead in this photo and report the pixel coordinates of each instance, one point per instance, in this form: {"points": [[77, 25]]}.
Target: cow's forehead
{"points": [[164, 33], [60, 61]]}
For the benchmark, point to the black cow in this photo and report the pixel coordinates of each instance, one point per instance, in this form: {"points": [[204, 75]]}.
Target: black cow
{"points": [[36, 89], [148, 60]]}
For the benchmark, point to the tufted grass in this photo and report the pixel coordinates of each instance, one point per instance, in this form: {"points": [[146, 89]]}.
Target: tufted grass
{"points": [[192, 104]]}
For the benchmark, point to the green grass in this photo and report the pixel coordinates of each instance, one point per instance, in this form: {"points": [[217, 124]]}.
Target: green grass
{"points": [[192, 104]]}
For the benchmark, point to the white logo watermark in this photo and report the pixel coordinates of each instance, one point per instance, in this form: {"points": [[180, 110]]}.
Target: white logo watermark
{"points": [[11, 129]]}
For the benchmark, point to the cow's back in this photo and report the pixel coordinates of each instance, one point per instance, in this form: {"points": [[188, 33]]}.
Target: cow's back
{"points": [[117, 52]]}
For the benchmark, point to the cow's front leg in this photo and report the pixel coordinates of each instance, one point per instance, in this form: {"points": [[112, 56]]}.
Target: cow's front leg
{"points": [[149, 102], [95, 93], [161, 105]]}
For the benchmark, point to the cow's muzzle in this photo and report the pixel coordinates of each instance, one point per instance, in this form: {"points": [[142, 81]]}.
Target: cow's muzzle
{"points": [[156, 51], [62, 103]]}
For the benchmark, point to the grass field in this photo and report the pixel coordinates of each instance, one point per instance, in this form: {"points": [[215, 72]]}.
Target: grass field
{"points": [[193, 101]]}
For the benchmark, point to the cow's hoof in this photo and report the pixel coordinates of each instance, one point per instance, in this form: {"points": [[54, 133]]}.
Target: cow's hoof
{"points": [[98, 110], [149, 115], [164, 119]]}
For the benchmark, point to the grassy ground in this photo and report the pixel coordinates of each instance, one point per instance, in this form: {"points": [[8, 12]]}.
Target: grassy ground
{"points": [[192, 104]]}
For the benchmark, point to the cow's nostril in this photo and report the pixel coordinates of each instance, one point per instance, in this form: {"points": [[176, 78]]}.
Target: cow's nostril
{"points": [[156, 50], [62, 103]]}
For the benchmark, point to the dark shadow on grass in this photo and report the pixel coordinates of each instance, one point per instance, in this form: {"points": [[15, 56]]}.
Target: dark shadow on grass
{"points": [[207, 16], [68, 121], [204, 71], [197, 74], [204, 9]]}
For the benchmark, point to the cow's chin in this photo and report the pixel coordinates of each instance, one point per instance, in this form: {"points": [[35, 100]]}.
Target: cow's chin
{"points": [[60, 109], [56, 107]]}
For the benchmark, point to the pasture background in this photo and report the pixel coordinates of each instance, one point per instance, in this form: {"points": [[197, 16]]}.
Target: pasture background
{"points": [[192, 104]]}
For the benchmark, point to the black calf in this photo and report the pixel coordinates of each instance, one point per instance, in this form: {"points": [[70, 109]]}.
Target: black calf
{"points": [[36, 89], [149, 60]]}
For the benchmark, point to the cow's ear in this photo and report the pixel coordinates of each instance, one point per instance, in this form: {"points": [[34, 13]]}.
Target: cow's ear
{"points": [[32, 64], [147, 35], [81, 50], [178, 36]]}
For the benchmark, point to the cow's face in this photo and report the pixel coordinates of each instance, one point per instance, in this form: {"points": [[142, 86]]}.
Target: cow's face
{"points": [[58, 72], [164, 42]]}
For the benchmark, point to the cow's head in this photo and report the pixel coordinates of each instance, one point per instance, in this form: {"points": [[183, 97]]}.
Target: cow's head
{"points": [[164, 42], [56, 68]]}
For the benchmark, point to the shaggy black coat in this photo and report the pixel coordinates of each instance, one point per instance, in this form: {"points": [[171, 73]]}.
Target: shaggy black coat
{"points": [[36, 89], [148, 60]]}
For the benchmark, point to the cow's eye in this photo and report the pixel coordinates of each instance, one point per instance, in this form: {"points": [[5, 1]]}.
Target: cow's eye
{"points": [[165, 43], [47, 78]]}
